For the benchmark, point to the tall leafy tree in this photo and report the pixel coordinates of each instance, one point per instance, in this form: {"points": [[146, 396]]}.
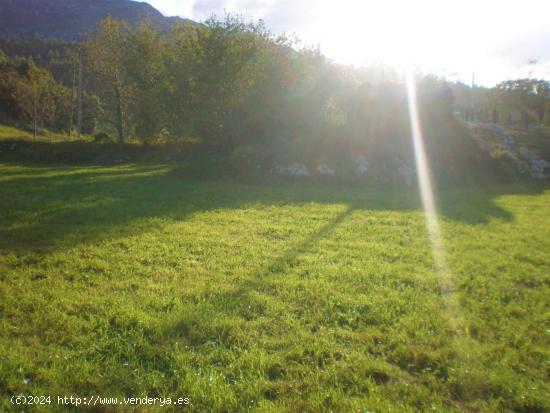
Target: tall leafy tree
{"points": [[147, 77], [107, 52], [8, 84], [225, 59], [39, 96]]}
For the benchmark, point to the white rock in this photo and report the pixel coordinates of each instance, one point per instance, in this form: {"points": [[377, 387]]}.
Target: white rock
{"points": [[325, 170], [525, 153], [361, 166], [294, 169], [539, 168]]}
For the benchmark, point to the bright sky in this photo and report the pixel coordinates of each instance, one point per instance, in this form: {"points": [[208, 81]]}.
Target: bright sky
{"points": [[454, 38]]}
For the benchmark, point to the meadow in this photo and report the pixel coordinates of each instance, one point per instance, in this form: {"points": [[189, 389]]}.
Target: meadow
{"points": [[137, 280]]}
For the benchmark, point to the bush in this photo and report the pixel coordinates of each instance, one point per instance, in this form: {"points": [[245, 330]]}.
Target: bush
{"points": [[246, 159], [102, 137], [162, 137]]}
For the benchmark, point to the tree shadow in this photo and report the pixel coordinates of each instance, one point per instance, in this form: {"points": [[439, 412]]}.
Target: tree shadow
{"points": [[238, 301], [51, 208]]}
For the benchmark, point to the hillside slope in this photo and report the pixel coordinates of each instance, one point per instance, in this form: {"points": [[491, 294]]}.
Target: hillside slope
{"points": [[72, 19]]}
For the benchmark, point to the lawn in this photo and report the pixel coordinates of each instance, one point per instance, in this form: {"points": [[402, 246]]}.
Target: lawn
{"points": [[134, 280], [11, 133]]}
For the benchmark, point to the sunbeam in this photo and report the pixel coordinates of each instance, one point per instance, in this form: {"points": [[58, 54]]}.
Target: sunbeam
{"points": [[429, 206]]}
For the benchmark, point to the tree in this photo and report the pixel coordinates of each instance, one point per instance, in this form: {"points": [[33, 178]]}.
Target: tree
{"points": [[147, 77], [8, 83], [528, 96], [36, 94], [226, 60], [107, 52]]}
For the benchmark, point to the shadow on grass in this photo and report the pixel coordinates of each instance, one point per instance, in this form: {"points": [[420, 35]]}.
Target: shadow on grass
{"points": [[78, 152], [57, 207]]}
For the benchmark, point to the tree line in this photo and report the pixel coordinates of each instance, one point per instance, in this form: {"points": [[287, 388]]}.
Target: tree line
{"points": [[521, 102], [240, 89], [38, 97]]}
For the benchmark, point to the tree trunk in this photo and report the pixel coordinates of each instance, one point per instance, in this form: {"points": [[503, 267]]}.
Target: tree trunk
{"points": [[73, 98], [118, 104], [79, 114], [34, 116]]}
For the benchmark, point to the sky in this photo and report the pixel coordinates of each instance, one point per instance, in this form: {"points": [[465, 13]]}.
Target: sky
{"points": [[493, 39]]}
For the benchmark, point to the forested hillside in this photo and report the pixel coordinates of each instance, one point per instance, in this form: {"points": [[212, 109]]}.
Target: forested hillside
{"points": [[74, 19], [254, 98]]}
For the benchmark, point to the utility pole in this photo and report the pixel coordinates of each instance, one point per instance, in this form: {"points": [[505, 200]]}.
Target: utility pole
{"points": [[73, 99], [79, 114], [472, 101], [35, 116]]}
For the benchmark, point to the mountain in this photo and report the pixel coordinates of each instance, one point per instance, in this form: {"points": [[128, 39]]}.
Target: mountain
{"points": [[72, 19]]}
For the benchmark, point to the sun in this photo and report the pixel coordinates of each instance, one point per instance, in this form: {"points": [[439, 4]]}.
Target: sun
{"points": [[394, 32]]}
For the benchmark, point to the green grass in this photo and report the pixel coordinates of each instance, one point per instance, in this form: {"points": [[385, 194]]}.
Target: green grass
{"points": [[11, 133], [132, 280]]}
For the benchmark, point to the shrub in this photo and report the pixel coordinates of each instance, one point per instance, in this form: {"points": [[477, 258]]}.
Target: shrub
{"points": [[102, 137], [246, 159]]}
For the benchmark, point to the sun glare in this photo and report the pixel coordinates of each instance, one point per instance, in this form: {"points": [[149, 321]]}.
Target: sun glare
{"points": [[427, 194], [438, 37]]}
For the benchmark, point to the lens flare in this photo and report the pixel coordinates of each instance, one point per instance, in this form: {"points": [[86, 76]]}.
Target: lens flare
{"points": [[429, 205]]}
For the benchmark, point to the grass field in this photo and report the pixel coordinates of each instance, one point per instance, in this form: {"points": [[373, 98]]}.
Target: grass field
{"points": [[134, 280], [9, 132]]}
